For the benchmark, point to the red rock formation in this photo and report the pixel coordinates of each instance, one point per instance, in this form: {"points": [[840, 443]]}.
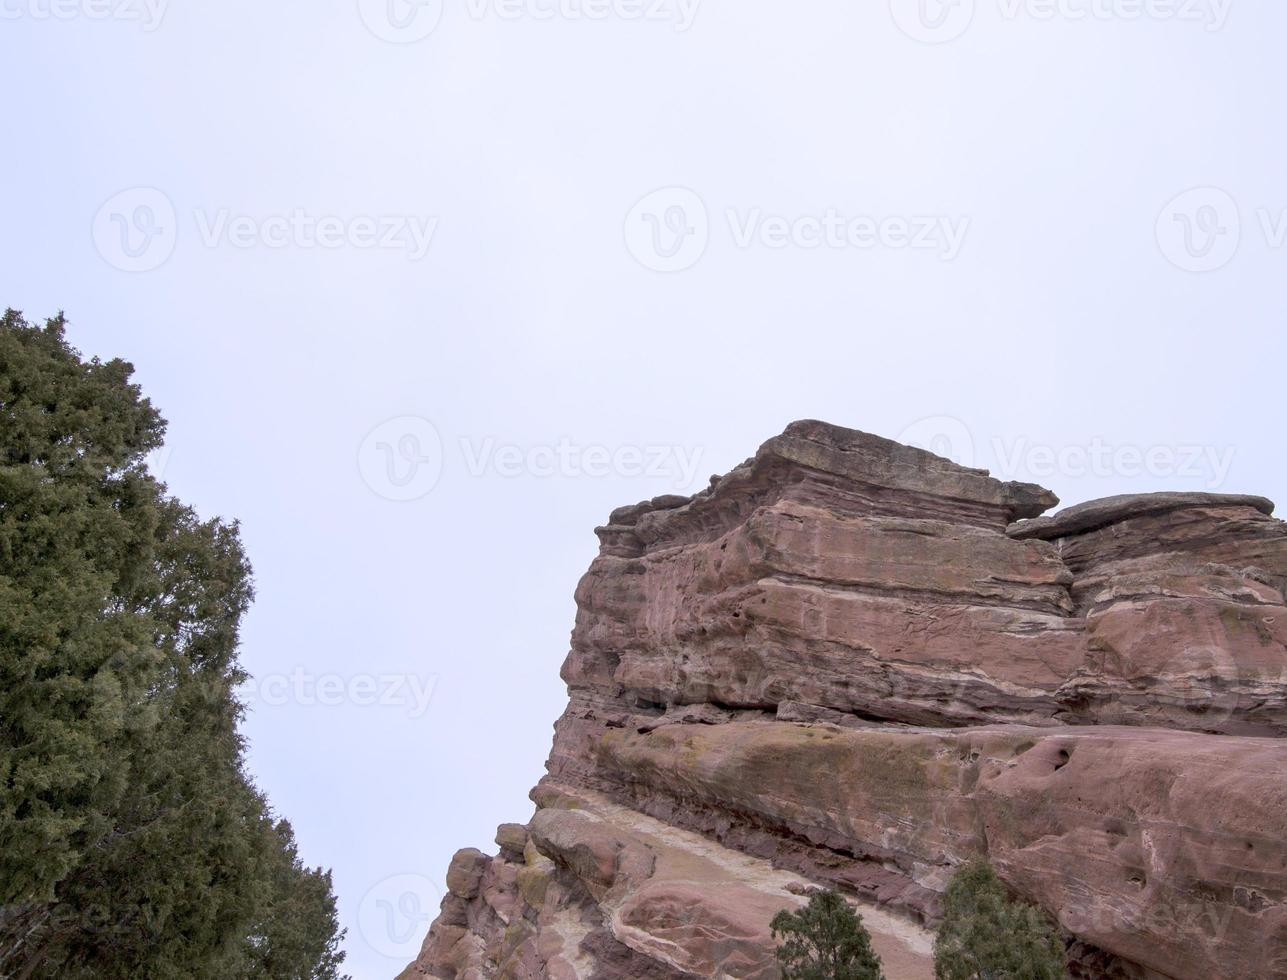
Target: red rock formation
{"points": [[845, 663]]}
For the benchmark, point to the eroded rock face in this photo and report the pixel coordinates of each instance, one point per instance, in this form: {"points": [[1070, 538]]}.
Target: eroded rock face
{"points": [[855, 663]]}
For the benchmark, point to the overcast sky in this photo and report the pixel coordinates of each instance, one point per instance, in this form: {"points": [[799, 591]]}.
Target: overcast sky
{"points": [[425, 292]]}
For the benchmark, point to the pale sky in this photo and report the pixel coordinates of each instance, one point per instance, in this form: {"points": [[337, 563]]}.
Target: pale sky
{"points": [[426, 291]]}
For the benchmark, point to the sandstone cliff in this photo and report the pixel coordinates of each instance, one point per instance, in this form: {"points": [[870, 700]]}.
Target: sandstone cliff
{"points": [[851, 662]]}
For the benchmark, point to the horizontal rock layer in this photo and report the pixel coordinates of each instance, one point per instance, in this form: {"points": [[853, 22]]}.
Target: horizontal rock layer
{"points": [[865, 664]]}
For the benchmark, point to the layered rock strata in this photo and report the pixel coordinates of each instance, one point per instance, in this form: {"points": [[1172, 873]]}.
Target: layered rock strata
{"points": [[853, 663]]}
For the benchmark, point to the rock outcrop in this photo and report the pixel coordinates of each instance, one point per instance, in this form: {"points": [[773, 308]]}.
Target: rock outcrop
{"points": [[855, 664]]}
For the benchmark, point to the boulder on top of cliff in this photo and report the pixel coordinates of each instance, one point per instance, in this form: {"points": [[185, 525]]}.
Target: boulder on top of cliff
{"points": [[1094, 514]]}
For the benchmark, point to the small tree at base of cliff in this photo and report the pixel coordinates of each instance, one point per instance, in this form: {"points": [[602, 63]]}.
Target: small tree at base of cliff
{"points": [[825, 940], [986, 935]]}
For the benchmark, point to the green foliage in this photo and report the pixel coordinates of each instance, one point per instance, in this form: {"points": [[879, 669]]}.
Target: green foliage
{"points": [[132, 843], [986, 935], [825, 940], [298, 932]]}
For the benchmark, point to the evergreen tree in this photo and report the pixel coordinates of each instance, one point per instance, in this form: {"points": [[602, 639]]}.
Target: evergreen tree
{"points": [[986, 935], [132, 843], [298, 934], [825, 940]]}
